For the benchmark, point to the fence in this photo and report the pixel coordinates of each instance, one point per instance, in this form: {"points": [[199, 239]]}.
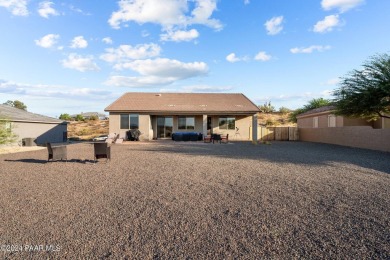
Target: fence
{"points": [[277, 133], [354, 136]]}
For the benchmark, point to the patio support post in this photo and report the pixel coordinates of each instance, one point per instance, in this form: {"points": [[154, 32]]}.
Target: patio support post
{"points": [[254, 128], [204, 125]]}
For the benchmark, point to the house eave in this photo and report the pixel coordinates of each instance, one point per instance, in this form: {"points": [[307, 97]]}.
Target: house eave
{"points": [[164, 112]]}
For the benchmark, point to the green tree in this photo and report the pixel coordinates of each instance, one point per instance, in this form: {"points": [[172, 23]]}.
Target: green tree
{"points": [[267, 108], [365, 93], [65, 117], [79, 118], [314, 103], [16, 104], [6, 134]]}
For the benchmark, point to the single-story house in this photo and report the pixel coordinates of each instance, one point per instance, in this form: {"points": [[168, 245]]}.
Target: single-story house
{"points": [[41, 128], [325, 117], [158, 115], [88, 115]]}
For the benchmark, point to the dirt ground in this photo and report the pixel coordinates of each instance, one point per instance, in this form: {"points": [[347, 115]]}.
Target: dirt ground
{"points": [[164, 200]]}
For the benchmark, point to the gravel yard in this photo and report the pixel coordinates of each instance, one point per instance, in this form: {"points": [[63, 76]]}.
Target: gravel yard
{"points": [[162, 200]]}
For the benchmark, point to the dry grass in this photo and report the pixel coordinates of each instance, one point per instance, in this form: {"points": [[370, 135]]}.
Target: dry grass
{"points": [[86, 130], [166, 200], [274, 119]]}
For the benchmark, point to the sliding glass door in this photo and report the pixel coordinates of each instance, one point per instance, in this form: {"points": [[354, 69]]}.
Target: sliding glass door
{"points": [[164, 126]]}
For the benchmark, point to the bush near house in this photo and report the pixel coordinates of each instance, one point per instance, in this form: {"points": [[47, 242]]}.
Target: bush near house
{"points": [[6, 134]]}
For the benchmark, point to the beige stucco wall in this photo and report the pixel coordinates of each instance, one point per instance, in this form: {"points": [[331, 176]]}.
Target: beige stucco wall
{"points": [[354, 136], [42, 132], [144, 126], [356, 122], [386, 123], [244, 123], [306, 122], [148, 126]]}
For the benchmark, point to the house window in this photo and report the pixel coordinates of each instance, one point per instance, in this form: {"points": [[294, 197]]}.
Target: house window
{"points": [[227, 123], [129, 121], [315, 122], [331, 121], [186, 122]]}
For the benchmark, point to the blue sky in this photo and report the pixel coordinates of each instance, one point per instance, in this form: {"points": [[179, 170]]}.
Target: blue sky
{"points": [[79, 56]]}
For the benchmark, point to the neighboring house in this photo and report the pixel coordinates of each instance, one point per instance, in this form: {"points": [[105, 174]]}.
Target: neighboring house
{"points": [[322, 126], [29, 125], [88, 115], [325, 117], [158, 115]]}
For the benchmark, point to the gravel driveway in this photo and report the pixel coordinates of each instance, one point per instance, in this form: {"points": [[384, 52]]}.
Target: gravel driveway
{"points": [[163, 200]]}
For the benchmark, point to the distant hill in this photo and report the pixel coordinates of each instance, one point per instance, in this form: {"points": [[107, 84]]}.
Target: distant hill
{"points": [[86, 130], [274, 119]]}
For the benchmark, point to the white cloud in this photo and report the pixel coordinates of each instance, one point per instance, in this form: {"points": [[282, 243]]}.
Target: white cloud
{"points": [[205, 88], [107, 40], [327, 24], [10, 87], [78, 42], [47, 41], [17, 7], [310, 49], [137, 82], [232, 58], [263, 56], [202, 13], [127, 52], [341, 5], [157, 72], [46, 9], [178, 36], [80, 63], [78, 10], [166, 68], [274, 25], [168, 13], [246, 2]]}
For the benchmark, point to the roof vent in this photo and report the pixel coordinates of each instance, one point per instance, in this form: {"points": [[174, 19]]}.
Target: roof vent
{"points": [[203, 105], [239, 105], [171, 105]]}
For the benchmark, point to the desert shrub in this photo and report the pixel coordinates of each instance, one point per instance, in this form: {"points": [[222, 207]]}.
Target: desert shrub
{"points": [[65, 117], [267, 108], [79, 118], [270, 122], [284, 110], [93, 118]]}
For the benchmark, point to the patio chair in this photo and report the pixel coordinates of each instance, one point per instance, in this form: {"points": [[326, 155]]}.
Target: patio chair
{"points": [[102, 150], [216, 137], [225, 138], [207, 139], [57, 152]]}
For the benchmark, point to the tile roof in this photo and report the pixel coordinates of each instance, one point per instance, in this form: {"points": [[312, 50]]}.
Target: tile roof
{"points": [[197, 103], [317, 110], [16, 114]]}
